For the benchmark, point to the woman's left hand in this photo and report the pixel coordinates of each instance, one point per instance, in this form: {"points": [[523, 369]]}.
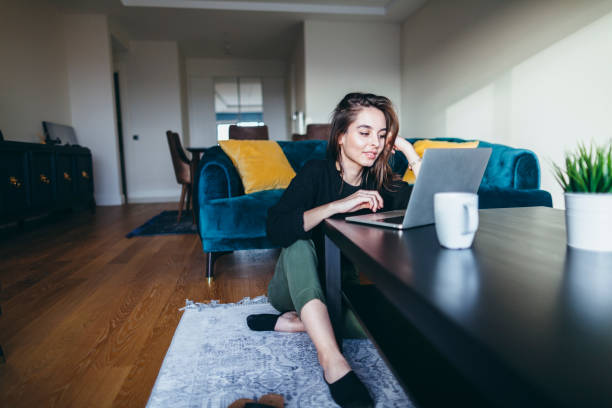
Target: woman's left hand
{"points": [[405, 147]]}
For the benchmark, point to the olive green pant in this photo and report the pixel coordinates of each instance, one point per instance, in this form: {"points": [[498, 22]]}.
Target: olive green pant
{"points": [[296, 282]]}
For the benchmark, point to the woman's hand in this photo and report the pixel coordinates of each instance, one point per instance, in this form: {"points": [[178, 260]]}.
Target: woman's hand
{"points": [[405, 147], [361, 199]]}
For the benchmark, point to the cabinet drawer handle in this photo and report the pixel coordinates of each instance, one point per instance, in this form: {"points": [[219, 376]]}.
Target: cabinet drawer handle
{"points": [[84, 174], [44, 179], [67, 177], [14, 181]]}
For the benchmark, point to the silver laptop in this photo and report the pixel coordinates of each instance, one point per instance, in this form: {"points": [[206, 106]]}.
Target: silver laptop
{"points": [[442, 170]]}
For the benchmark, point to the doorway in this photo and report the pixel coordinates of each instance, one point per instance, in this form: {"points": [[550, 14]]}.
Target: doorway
{"points": [[120, 135]]}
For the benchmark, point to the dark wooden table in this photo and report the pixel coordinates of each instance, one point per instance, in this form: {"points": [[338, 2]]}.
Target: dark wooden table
{"points": [[520, 317], [196, 154]]}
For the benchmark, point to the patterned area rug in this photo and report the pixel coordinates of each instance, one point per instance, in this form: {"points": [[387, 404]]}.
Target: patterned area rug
{"points": [[165, 223], [214, 359]]}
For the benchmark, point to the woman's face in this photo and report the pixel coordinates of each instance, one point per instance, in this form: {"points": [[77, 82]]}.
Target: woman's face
{"points": [[364, 139]]}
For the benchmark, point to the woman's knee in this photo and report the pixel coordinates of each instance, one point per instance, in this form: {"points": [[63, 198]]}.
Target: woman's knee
{"points": [[301, 247], [301, 252]]}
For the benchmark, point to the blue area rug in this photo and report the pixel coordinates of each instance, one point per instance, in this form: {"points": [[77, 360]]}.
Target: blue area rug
{"points": [[165, 223], [214, 359]]}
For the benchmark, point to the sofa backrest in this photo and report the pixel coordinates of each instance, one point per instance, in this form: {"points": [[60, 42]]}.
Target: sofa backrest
{"points": [[507, 168], [299, 153]]}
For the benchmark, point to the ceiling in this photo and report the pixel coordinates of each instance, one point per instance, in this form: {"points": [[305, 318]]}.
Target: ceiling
{"points": [[262, 29]]}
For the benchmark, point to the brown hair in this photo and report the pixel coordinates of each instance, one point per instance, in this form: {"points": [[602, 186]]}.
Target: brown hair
{"points": [[379, 174]]}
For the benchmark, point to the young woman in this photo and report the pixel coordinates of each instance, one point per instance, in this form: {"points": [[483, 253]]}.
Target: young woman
{"points": [[355, 177]]}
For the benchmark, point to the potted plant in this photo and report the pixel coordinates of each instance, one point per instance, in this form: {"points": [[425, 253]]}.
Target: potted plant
{"points": [[587, 182]]}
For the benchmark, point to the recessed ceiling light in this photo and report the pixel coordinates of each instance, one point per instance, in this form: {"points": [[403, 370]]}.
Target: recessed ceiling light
{"points": [[261, 6]]}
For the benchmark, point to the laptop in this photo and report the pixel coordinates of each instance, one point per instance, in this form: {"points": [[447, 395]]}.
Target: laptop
{"points": [[58, 134], [442, 170]]}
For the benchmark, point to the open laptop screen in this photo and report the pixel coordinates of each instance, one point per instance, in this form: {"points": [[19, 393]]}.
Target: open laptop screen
{"points": [[61, 134]]}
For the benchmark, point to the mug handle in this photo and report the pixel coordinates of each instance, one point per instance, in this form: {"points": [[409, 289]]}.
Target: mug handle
{"points": [[470, 218]]}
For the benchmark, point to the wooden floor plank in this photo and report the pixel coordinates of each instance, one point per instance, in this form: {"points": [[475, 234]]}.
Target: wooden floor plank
{"points": [[89, 314]]}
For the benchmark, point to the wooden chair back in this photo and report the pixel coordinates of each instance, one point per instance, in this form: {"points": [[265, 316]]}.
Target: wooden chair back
{"points": [[182, 165], [248, 132], [318, 131]]}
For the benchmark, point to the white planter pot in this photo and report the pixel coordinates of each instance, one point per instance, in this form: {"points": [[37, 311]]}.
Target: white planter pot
{"points": [[588, 220]]}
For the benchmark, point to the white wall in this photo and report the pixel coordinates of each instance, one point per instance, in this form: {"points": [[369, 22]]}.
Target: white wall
{"points": [[33, 73], [531, 74], [184, 100], [274, 107], [151, 100], [342, 57], [200, 83], [88, 58], [296, 82]]}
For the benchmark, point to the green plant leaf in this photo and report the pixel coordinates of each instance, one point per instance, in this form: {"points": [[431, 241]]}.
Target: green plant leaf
{"points": [[597, 171], [560, 177], [608, 187], [579, 184], [588, 169], [607, 167]]}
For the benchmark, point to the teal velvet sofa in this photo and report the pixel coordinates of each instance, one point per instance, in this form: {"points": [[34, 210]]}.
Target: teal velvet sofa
{"points": [[231, 220]]}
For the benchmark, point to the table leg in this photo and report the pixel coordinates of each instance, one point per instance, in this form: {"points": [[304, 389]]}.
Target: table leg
{"points": [[333, 283], [195, 161], [2, 359]]}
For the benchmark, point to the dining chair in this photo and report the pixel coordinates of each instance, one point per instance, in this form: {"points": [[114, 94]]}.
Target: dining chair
{"points": [[314, 131], [318, 131], [248, 132], [182, 170]]}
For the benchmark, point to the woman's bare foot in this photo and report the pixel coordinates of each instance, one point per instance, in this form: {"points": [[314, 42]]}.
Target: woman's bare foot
{"points": [[334, 367], [289, 322]]}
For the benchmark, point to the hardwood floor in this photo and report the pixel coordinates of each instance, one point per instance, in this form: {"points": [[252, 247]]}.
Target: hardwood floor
{"points": [[87, 314]]}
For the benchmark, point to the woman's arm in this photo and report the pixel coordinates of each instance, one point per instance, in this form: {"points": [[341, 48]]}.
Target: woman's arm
{"points": [[414, 161], [285, 221], [289, 220], [361, 199]]}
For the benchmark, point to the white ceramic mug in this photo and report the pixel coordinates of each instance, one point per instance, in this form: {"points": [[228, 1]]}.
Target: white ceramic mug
{"points": [[456, 217]]}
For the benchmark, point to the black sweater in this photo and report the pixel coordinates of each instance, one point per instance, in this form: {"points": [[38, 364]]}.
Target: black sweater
{"points": [[316, 184]]}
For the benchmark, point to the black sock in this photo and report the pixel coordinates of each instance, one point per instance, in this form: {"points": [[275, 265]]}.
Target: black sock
{"points": [[349, 391], [262, 322]]}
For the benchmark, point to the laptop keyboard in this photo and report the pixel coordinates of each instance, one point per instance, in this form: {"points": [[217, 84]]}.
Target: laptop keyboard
{"points": [[392, 220]]}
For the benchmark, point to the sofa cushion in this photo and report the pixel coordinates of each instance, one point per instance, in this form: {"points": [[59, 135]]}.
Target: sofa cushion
{"points": [[421, 145], [262, 165]]}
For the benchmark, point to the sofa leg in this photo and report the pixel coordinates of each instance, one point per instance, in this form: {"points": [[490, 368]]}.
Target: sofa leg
{"points": [[211, 263], [212, 258]]}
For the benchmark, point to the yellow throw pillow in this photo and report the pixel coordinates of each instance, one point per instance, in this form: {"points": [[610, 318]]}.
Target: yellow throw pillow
{"points": [[421, 145], [262, 165]]}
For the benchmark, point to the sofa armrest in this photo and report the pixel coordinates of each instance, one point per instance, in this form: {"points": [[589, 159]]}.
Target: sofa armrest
{"points": [[218, 178], [527, 172], [510, 167]]}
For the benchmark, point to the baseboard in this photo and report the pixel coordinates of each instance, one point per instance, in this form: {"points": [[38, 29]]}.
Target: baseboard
{"points": [[108, 199], [159, 196]]}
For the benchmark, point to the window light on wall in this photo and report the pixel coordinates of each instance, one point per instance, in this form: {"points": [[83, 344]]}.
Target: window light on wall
{"points": [[238, 101]]}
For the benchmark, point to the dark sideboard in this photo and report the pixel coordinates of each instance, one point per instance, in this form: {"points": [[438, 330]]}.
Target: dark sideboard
{"points": [[36, 179]]}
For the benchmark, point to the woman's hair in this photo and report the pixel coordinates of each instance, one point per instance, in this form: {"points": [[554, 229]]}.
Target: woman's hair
{"points": [[379, 174]]}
